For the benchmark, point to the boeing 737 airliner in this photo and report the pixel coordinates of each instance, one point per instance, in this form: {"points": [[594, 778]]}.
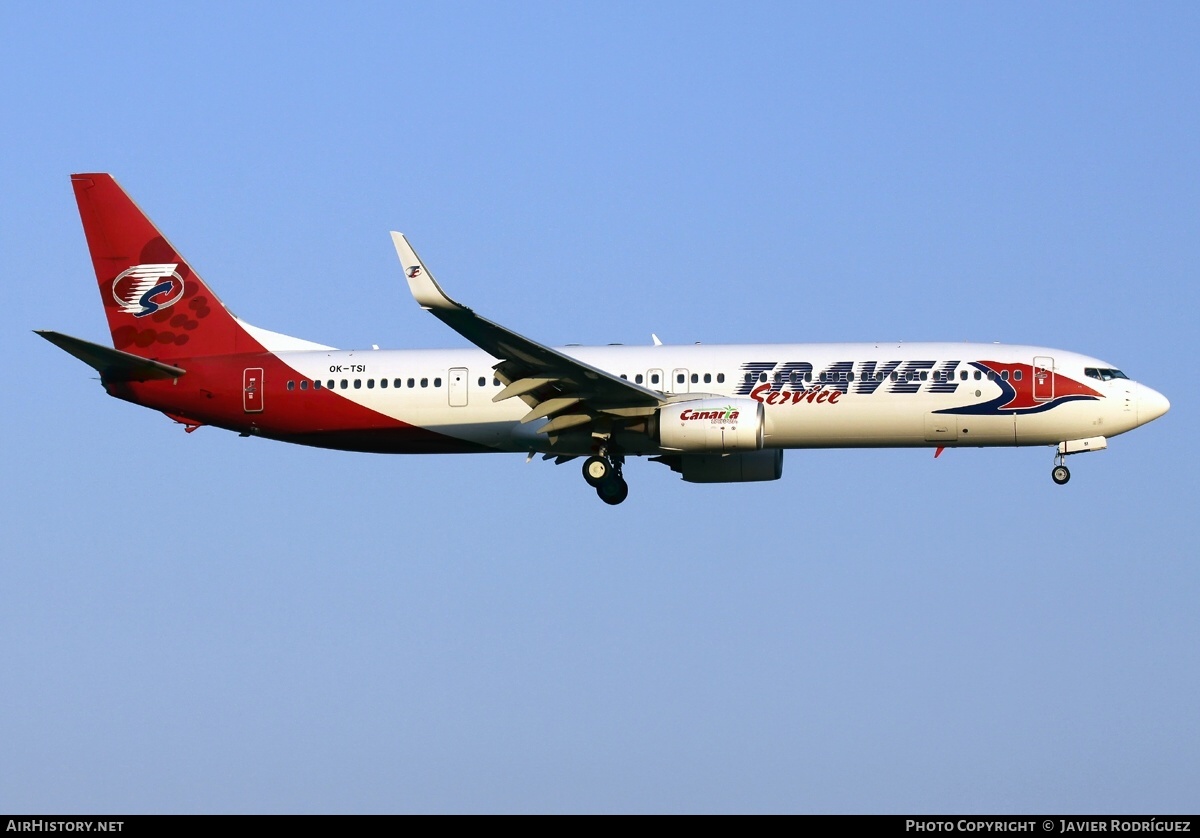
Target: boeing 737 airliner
{"points": [[714, 414]]}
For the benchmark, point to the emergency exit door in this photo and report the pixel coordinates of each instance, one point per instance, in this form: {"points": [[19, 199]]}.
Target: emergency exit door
{"points": [[679, 381]]}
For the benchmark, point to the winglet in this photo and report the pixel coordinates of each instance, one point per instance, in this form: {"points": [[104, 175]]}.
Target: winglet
{"points": [[425, 290]]}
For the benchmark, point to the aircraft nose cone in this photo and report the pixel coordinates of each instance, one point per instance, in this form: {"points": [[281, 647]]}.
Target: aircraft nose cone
{"points": [[1150, 404]]}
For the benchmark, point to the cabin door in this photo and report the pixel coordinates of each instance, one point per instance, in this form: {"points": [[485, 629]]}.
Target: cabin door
{"points": [[1043, 379], [252, 390], [458, 387]]}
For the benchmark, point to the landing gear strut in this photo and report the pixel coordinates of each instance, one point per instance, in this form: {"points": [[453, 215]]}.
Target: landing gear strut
{"points": [[1060, 474], [603, 473]]}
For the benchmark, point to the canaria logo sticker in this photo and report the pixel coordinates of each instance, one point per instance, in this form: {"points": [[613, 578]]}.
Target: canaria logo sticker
{"points": [[414, 271], [145, 289]]}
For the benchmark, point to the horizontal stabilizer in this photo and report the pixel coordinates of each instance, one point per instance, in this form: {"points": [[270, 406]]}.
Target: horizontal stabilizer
{"points": [[112, 364]]}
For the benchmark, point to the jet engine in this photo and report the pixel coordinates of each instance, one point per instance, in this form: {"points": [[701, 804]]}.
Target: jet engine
{"points": [[717, 425]]}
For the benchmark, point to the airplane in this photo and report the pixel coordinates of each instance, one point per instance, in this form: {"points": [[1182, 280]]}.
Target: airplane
{"points": [[713, 414]]}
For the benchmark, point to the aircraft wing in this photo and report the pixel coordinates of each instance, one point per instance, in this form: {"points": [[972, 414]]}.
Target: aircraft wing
{"points": [[569, 392]]}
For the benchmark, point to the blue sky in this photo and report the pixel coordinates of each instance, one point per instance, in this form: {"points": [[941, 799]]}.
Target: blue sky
{"points": [[205, 623]]}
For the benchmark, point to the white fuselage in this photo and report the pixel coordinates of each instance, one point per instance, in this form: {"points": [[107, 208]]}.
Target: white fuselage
{"points": [[814, 395]]}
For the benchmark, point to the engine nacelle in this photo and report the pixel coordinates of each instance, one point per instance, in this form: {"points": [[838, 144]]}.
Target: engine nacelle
{"points": [[721, 425], [732, 468]]}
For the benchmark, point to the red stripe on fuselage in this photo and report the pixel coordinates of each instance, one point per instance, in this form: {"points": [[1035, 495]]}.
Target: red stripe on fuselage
{"points": [[210, 393], [1023, 388]]}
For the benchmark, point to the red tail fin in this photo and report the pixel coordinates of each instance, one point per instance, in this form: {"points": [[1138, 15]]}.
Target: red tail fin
{"points": [[157, 306]]}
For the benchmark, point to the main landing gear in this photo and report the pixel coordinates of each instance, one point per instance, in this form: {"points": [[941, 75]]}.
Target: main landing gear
{"points": [[603, 474]]}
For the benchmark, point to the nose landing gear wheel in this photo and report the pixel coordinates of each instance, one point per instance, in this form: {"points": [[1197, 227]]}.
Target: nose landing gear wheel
{"points": [[595, 471], [1060, 475]]}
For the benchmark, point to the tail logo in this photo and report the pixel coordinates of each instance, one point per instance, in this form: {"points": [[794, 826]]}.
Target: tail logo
{"points": [[144, 289], [414, 271]]}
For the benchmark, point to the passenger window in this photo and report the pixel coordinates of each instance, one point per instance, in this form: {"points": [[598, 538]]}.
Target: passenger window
{"points": [[370, 384], [424, 382], [1017, 374], [762, 377], [383, 383], [894, 376], [962, 376], [978, 375], [316, 385], [695, 378], [291, 385], [637, 379], [345, 384], [330, 384], [495, 382], [624, 376], [924, 375], [850, 376], [358, 384], [303, 385], [482, 381], [654, 378], [437, 382], [708, 378], [679, 378], [720, 378], [412, 382], [1004, 374]]}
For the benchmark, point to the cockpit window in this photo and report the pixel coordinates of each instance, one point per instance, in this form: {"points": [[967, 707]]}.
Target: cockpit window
{"points": [[1104, 374]]}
